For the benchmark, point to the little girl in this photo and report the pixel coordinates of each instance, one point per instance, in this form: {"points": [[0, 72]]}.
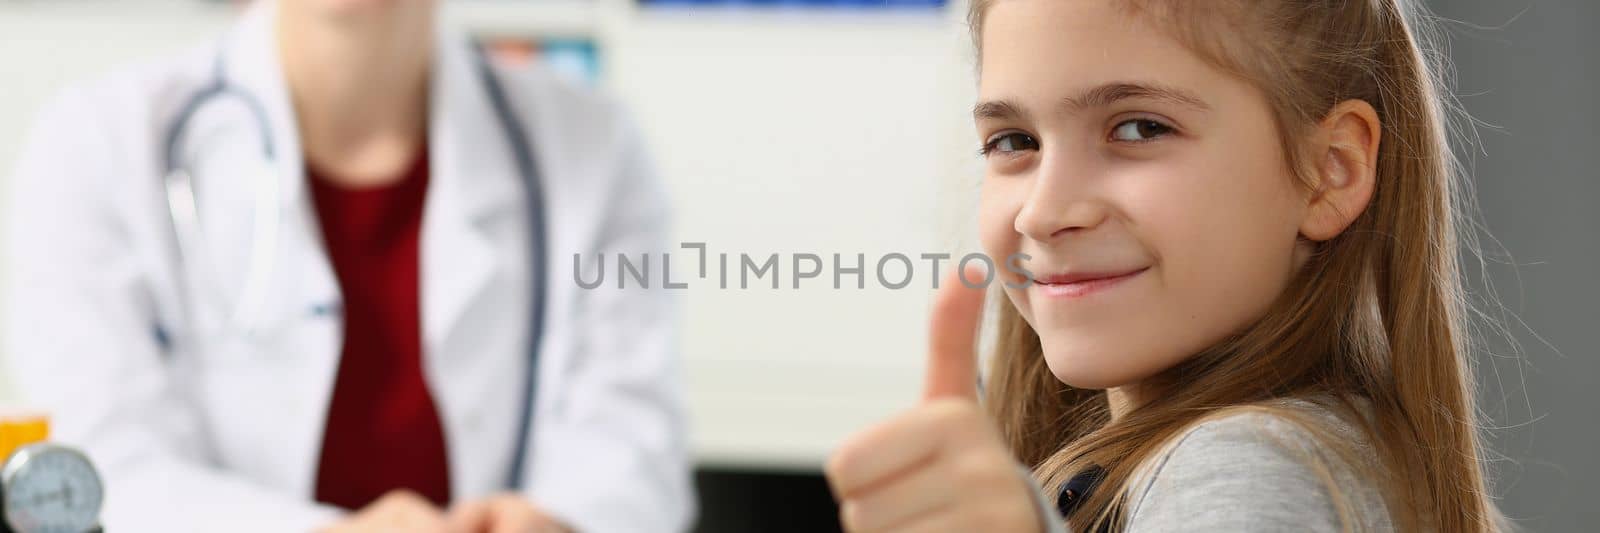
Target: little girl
{"points": [[1244, 310]]}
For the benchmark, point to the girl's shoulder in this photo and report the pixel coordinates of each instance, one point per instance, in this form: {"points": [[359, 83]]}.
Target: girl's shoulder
{"points": [[1293, 465]]}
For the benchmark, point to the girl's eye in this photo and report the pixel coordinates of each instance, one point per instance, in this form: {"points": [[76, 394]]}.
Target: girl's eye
{"points": [[1139, 130], [1007, 143]]}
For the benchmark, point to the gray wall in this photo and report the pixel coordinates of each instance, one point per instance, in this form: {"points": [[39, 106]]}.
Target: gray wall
{"points": [[1530, 69]]}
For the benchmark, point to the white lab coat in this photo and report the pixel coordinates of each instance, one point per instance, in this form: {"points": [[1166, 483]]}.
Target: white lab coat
{"points": [[225, 435]]}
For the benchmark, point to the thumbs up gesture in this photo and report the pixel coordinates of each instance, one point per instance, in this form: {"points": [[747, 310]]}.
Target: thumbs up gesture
{"points": [[942, 466]]}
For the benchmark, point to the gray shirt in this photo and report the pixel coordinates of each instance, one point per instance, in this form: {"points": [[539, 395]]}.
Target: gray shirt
{"points": [[1247, 472]]}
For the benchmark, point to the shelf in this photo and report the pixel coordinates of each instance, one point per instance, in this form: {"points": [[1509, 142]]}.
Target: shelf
{"points": [[824, 17]]}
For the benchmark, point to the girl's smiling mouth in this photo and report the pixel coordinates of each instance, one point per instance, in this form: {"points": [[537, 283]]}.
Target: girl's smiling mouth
{"points": [[1080, 284]]}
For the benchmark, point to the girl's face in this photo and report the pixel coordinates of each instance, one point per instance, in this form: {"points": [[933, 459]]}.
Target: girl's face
{"points": [[1117, 156]]}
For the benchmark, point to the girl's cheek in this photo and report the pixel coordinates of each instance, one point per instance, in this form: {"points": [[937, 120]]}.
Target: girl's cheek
{"points": [[1001, 200]]}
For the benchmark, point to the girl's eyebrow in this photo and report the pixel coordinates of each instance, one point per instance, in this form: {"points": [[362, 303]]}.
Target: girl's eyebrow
{"points": [[1109, 93], [1097, 96], [997, 110]]}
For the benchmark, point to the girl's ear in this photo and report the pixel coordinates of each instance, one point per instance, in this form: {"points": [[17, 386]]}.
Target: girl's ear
{"points": [[1346, 159]]}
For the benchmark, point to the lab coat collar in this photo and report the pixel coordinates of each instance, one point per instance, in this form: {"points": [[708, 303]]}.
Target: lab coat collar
{"points": [[467, 140], [251, 61], [474, 178], [303, 274]]}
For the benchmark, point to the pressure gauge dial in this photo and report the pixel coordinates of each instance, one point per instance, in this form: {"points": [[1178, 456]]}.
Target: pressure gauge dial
{"points": [[49, 488]]}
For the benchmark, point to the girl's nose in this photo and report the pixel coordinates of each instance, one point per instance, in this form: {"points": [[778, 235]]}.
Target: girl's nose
{"points": [[1061, 201]]}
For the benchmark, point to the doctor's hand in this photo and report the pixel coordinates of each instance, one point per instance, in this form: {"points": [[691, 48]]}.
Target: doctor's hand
{"points": [[942, 466], [397, 511], [504, 513]]}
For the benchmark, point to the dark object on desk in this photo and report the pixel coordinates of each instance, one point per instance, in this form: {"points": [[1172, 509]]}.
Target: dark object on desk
{"points": [[737, 500]]}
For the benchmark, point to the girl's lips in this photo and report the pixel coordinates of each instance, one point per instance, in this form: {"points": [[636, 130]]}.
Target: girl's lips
{"points": [[1079, 286]]}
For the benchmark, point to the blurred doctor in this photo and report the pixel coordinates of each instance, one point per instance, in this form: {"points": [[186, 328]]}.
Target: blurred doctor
{"points": [[314, 276]]}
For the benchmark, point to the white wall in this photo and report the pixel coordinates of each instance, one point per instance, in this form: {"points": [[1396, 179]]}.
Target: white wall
{"points": [[841, 132], [801, 134]]}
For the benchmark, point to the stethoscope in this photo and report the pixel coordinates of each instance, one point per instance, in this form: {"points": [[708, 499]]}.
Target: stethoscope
{"points": [[243, 315]]}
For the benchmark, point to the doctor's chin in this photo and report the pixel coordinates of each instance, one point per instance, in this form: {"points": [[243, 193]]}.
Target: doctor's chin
{"points": [[713, 266]]}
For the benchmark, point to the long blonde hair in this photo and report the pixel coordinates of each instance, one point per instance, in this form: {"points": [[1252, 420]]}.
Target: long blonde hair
{"points": [[1375, 317]]}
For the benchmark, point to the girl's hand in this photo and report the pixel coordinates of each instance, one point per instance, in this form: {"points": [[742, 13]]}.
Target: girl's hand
{"points": [[942, 466]]}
